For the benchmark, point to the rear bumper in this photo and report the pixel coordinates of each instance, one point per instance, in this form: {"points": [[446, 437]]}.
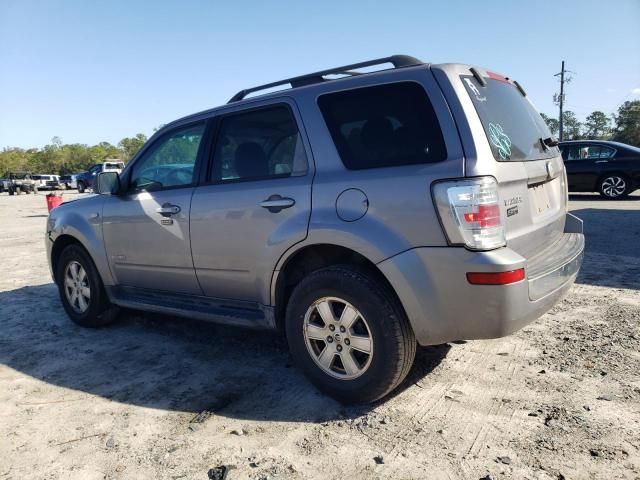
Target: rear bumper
{"points": [[442, 306]]}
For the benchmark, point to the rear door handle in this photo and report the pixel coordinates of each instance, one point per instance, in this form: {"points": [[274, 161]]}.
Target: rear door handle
{"points": [[166, 210], [275, 203]]}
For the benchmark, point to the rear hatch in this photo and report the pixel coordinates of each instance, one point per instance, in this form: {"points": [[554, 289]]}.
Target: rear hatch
{"points": [[521, 156]]}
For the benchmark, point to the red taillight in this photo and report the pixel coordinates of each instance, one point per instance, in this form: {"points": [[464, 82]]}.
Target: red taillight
{"points": [[473, 206], [495, 278], [486, 216]]}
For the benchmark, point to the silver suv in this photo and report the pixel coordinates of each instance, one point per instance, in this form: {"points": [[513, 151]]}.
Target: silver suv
{"points": [[360, 213]]}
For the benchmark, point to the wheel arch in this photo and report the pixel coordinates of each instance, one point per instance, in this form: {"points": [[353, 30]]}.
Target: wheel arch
{"points": [[60, 243], [300, 263]]}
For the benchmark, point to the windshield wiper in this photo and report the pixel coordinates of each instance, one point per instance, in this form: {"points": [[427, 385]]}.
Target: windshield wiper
{"points": [[548, 142]]}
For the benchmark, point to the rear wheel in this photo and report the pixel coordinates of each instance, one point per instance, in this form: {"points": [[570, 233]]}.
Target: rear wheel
{"points": [[12, 191], [348, 334], [614, 186], [81, 187], [81, 289]]}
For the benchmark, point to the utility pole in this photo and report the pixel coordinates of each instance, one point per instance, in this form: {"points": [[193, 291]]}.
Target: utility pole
{"points": [[561, 99]]}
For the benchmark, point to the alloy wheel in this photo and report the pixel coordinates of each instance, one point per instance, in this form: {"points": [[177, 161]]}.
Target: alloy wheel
{"points": [[76, 287], [338, 338], [613, 186]]}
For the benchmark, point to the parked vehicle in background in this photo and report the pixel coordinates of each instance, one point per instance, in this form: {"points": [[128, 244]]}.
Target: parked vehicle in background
{"points": [[353, 214], [610, 168], [3, 184], [70, 182], [20, 182], [46, 182], [86, 179]]}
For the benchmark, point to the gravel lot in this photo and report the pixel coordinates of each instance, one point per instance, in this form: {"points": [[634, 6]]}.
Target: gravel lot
{"points": [[167, 398]]}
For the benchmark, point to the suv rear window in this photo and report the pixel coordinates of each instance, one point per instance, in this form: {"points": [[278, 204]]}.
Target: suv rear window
{"points": [[383, 126], [513, 126]]}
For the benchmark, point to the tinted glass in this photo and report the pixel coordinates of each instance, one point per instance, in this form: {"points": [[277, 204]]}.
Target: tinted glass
{"points": [[383, 126], [513, 126], [586, 152], [259, 144], [605, 152], [169, 162]]}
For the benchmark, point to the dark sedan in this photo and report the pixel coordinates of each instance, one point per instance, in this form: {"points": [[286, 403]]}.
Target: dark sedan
{"points": [[610, 168]]}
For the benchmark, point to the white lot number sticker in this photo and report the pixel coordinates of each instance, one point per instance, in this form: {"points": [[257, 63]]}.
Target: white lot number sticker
{"points": [[540, 198]]}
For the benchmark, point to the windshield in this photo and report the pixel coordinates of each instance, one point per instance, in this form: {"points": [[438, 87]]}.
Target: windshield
{"points": [[114, 166], [513, 126]]}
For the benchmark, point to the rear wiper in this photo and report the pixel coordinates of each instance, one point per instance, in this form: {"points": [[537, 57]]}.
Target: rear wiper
{"points": [[548, 142]]}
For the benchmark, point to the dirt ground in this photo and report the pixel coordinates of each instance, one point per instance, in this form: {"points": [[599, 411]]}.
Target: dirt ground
{"points": [[168, 398]]}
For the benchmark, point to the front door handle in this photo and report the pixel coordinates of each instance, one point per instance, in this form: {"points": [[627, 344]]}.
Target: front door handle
{"points": [[275, 203], [166, 210]]}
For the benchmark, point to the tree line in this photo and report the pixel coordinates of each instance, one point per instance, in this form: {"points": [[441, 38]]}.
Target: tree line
{"points": [[621, 127], [59, 158]]}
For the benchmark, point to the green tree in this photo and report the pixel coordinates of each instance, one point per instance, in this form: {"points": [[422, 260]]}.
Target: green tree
{"points": [[130, 146], [552, 123], [597, 126], [571, 125], [627, 129]]}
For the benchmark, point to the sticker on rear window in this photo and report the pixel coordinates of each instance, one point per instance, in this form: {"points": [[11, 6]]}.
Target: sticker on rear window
{"points": [[500, 140], [475, 90]]}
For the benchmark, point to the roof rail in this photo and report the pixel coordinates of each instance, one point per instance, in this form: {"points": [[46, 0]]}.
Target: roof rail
{"points": [[398, 61]]}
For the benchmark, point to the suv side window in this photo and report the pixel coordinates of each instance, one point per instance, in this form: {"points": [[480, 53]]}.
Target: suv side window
{"points": [[383, 126], [169, 162], [258, 144]]}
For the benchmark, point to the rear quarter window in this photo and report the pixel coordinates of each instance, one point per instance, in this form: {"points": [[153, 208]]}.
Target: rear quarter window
{"points": [[513, 126], [383, 126]]}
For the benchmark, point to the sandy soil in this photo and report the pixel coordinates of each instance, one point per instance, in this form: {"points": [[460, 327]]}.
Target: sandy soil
{"points": [[167, 398]]}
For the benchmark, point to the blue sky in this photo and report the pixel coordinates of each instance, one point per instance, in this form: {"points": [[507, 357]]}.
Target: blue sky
{"points": [[89, 71]]}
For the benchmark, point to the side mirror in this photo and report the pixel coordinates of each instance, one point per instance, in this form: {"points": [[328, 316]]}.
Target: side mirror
{"points": [[107, 183]]}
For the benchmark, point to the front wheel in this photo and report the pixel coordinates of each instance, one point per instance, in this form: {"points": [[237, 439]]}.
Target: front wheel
{"points": [[348, 334], [81, 289], [614, 186], [81, 187]]}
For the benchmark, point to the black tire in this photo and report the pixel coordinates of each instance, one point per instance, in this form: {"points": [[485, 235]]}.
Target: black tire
{"points": [[81, 187], [100, 311], [394, 344], [12, 191], [614, 186]]}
